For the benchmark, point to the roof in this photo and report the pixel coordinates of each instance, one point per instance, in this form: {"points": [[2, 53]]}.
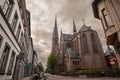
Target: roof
{"points": [[55, 32], [74, 27], [95, 8], [68, 36], [73, 54], [84, 28]]}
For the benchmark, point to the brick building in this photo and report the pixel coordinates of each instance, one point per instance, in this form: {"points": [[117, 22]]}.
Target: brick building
{"points": [[108, 11], [82, 49]]}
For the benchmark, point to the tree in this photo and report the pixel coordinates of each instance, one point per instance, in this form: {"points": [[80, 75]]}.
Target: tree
{"points": [[52, 63], [40, 66]]}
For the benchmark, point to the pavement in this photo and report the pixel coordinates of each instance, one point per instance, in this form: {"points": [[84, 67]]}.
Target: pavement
{"points": [[56, 77]]}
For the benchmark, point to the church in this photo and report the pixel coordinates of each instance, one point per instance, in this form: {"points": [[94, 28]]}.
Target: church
{"points": [[82, 49]]}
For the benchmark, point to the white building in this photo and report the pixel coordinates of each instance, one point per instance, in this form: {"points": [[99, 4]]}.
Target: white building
{"points": [[30, 57], [11, 36]]}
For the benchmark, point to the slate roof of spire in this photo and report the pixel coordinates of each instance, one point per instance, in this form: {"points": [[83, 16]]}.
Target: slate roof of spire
{"points": [[55, 32], [74, 27]]}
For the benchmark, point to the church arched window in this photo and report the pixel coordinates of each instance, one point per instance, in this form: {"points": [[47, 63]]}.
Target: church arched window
{"points": [[69, 46], [94, 44], [85, 44], [56, 42]]}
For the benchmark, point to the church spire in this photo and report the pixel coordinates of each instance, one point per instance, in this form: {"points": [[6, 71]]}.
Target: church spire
{"points": [[55, 32], [74, 27]]}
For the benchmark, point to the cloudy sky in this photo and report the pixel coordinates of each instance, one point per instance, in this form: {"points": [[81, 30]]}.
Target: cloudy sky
{"points": [[43, 18]]}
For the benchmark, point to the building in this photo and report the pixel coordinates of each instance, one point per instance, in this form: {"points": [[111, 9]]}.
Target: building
{"points": [[35, 63], [15, 40], [108, 11], [30, 57], [81, 49]]}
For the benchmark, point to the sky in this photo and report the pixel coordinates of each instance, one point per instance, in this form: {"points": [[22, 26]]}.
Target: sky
{"points": [[43, 17]]}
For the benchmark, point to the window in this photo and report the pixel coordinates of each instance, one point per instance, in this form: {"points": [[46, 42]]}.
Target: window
{"points": [[116, 6], [106, 18], [18, 32], [56, 42], [85, 43], [7, 7], [75, 62], [14, 22], [21, 12], [4, 57], [21, 39], [94, 44], [11, 61], [1, 39], [77, 44]]}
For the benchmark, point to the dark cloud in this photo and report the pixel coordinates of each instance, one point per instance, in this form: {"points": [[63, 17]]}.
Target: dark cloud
{"points": [[43, 16]]}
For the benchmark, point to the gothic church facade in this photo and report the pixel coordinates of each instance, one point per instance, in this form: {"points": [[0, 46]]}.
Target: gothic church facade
{"points": [[82, 49]]}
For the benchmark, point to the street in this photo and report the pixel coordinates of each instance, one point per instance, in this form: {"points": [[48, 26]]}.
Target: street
{"points": [[55, 77]]}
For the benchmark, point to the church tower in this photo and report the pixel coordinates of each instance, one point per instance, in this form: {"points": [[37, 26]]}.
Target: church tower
{"points": [[55, 38]]}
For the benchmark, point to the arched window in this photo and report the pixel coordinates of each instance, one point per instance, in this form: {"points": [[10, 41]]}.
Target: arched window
{"points": [[85, 44], [69, 46], [94, 44]]}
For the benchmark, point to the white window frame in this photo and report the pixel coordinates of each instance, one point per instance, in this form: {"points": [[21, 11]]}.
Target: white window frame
{"points": [[4, 57]]}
